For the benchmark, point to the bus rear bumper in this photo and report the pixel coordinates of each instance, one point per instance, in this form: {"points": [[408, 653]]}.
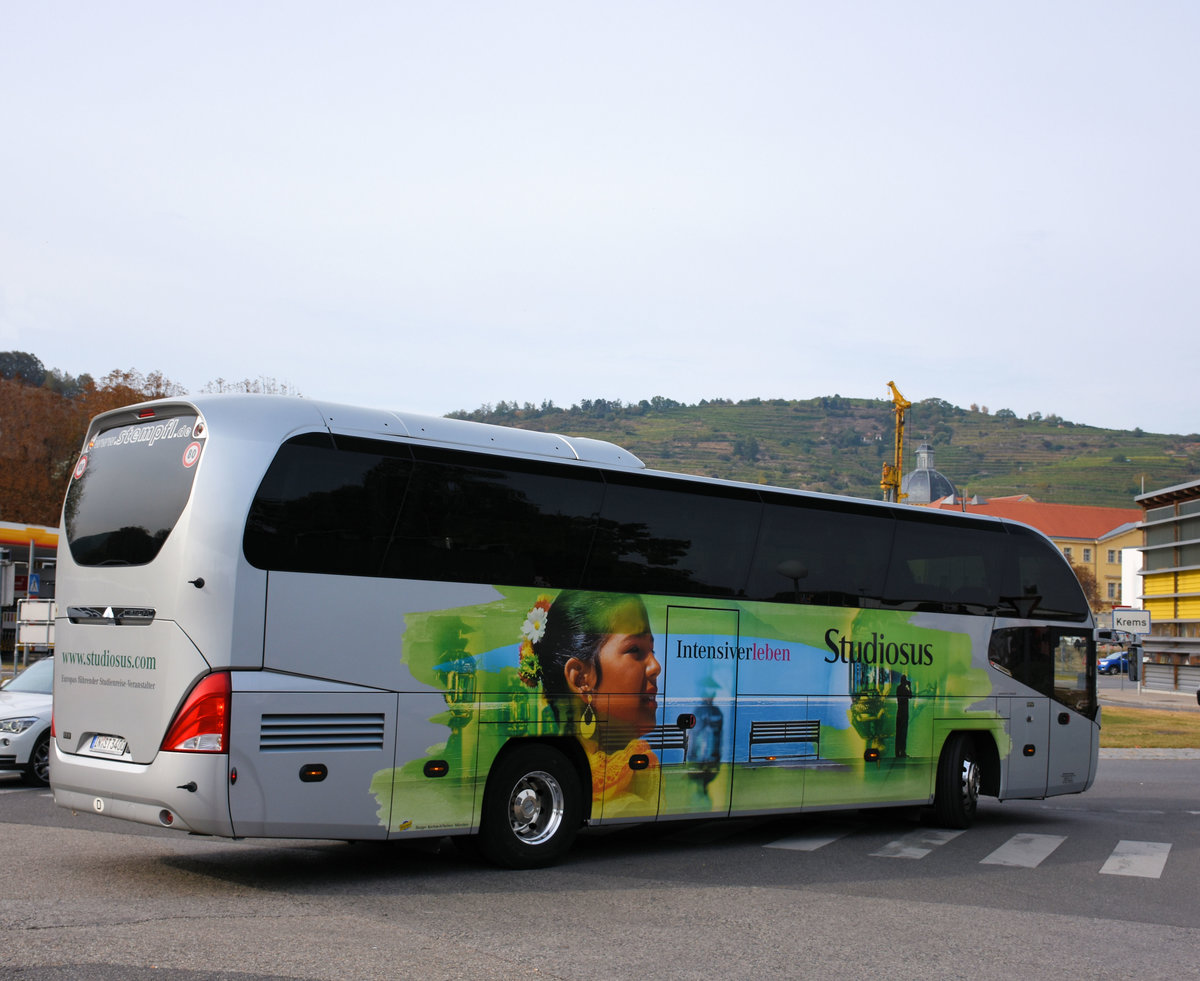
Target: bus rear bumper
{"points": [[181, 791]]}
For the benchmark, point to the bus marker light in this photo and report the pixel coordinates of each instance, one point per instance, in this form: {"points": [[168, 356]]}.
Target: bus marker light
{"points": [[639, 761], [313, 772], [437, 768], [166, 818], [871, 755], [1029, 750]]}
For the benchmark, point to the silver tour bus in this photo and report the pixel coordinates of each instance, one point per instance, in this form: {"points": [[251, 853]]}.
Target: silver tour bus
{"points": [[285, 618]]}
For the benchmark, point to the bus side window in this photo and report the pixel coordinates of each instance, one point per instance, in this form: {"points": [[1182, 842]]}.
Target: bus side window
{"points": [[327, 508], [470, 517], [810, 553], [1023, 653], [943, 564], [655, 536]]}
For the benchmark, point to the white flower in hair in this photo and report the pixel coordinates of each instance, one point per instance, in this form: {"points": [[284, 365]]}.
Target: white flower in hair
{"points": [[535, 625]]}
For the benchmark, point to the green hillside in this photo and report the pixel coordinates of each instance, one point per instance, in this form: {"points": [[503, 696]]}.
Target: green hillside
{"points": [[839, 445]]}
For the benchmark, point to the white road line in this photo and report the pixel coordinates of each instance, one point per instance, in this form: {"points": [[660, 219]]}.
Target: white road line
{"points": [[1025, 851], [916, 845], [1145, 859], [808, 842]]}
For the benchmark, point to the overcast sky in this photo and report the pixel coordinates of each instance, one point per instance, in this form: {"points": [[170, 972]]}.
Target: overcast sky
{"points": [[432, 206]]}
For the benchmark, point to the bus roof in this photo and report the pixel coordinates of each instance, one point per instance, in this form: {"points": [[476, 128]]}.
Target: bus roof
{"points": [[293, 413]]}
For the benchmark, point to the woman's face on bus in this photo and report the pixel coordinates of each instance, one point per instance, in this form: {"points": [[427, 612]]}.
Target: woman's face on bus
{"points": [[628, 673]]}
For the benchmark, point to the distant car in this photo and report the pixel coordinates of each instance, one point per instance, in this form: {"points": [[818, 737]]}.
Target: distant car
{"points": [[25, 722], [1115, 663]]}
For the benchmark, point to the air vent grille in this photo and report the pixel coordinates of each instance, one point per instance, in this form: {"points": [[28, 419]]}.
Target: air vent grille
{"points": [[309, 733]]}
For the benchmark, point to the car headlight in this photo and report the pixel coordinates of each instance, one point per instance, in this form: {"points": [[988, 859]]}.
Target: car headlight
{"points": [[16, 726]]}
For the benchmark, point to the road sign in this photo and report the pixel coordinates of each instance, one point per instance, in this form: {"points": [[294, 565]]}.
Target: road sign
{"points": [[1131, 621]]}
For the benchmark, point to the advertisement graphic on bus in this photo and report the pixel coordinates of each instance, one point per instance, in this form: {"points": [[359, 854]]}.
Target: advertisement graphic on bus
{"points": [[622, 671]]}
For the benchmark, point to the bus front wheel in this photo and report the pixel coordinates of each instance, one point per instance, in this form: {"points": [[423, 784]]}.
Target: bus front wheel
{"points": [[531, 809], [958, 781]]}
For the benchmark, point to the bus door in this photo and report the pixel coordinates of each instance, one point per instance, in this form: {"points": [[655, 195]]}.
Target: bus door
{"points": [[1073, 739], [1050, 726], [697, 686], [1029, 729]]}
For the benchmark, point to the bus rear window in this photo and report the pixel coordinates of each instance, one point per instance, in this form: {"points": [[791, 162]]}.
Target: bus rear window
{"points": [[130, 487]]}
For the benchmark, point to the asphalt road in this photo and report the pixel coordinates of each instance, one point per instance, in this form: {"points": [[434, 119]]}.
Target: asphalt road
{"points": [[1098, 885]]}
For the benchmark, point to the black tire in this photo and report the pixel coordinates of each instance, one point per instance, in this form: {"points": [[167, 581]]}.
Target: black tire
{"points": [[531, 809], [37, 772], [958, 780]]}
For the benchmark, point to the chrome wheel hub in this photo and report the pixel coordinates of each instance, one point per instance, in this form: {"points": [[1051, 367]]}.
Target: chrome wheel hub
{"points": [[535, 807]]}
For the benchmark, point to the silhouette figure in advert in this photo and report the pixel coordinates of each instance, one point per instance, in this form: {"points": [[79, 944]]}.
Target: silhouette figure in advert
{"points": [[904, 693]]}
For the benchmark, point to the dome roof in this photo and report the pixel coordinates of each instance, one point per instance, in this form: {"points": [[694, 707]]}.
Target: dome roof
{"points": [[923, 485]]}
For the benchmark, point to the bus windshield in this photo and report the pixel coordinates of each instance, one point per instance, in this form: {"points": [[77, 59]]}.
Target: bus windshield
{"points": [[129, 487]]}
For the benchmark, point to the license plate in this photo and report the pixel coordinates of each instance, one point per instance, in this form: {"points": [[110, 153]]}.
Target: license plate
{"points": [[109, 745]]}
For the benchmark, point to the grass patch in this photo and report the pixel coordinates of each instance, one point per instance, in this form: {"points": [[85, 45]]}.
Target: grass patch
{"points": [[1136, 728]]}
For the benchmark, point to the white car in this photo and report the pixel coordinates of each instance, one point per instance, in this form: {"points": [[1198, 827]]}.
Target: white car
{"points": [[25, 722]]}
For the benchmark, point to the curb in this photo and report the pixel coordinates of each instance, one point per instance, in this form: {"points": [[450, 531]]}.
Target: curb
{"points": [[1150, 754]]}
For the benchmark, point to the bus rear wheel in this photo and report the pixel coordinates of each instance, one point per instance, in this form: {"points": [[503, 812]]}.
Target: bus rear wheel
{"points": [[958, 780], [531, 809]]}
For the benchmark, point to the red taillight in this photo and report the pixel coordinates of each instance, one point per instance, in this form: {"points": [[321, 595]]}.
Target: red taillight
{"points": [[202, 724], [146, 414]]}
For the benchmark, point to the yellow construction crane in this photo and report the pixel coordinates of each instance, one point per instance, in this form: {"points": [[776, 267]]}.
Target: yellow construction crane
{"points": [[893, 471]]}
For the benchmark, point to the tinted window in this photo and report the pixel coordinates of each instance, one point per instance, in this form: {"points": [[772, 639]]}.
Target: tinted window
{"points": [[475, 518], [1042, 586], [813, 551], [1051, 660], [944, 563], [663, 536], [129, 488], [326, 507]]}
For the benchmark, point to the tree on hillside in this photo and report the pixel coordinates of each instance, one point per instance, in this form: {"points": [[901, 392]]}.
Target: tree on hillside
{"points": [[126, 387], [40, 433], [66, 385], [41, 430], [252, 386], [19, 366]]}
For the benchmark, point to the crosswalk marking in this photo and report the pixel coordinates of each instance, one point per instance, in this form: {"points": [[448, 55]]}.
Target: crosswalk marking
{"points": [[1145, 859], [918, 844], [808, 842], [1025, 851]]}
